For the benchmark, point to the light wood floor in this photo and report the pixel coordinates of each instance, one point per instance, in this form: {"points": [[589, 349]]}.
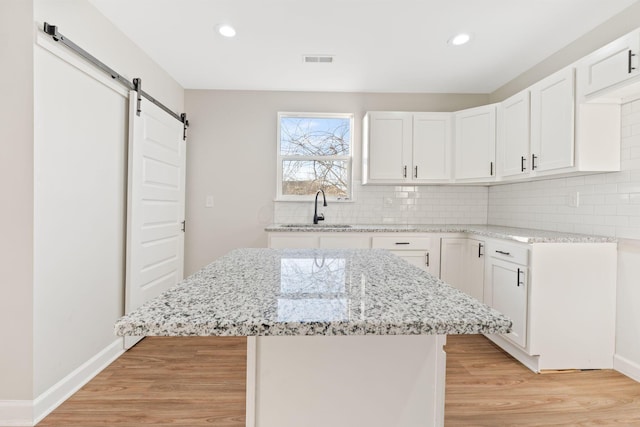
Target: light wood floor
{"points": [[201, 382]]}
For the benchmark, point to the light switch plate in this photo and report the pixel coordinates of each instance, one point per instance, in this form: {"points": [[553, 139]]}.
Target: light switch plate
{"points": [[574, 199]]}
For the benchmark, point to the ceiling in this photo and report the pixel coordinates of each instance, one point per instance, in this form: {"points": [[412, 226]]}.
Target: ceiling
{"points": [[379, 45]]}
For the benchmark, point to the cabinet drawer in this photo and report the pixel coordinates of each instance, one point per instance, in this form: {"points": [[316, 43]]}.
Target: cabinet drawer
{"points": [[400, 243], [509, 252]]}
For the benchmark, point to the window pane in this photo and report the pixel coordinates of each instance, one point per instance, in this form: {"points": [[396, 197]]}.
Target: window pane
{"points": [[308, 176], [315, 136]]}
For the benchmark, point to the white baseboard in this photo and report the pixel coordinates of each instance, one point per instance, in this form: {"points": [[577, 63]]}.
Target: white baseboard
{"points": [[27, 413], [626, 367], [44, 404], [16, 413]]}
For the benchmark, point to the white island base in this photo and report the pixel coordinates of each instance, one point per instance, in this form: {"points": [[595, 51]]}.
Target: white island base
{"points": [[346, 381]]}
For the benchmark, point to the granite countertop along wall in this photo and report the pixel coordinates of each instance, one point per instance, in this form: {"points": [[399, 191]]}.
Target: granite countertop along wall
{"points": [[525, 235], [251, 292]]}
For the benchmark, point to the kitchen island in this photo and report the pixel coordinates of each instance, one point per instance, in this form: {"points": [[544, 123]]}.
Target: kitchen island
{"points": [[335, 337]]}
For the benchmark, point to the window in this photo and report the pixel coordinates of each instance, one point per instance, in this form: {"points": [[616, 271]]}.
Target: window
{"points": [[314, 153]]}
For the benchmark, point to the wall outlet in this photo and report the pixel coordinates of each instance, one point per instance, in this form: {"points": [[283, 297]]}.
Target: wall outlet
{"points": [[208, 203], [574, 199]]}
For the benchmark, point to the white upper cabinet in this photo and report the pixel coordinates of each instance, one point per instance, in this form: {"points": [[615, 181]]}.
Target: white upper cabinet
{"points": [[406, 148], [513, 136], [610, 65], [431, 146], [552, 122], [387, 147], [475, 143]]}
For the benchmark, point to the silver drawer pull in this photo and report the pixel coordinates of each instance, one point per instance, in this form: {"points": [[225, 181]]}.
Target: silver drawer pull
{"points": [[503, 253]]}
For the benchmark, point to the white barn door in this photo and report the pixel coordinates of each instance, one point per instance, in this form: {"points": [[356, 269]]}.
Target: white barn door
{"points": [[155, 205]]}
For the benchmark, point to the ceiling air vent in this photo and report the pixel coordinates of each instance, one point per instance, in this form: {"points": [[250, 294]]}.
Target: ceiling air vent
{"points": [[317, 59]]}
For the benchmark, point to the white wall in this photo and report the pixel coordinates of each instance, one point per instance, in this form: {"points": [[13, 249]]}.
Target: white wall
{"points": [[231, 155], [16, 209], [618, 25], [62, 168], [80, 190]]}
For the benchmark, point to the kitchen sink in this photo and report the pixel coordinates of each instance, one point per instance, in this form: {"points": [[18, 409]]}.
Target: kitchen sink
{"points": [[316, 226]]}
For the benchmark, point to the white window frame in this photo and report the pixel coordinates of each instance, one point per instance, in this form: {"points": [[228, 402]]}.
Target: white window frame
{"points": [[349, 159]]}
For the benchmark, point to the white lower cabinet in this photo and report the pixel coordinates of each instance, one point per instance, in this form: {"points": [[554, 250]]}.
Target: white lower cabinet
{"points": [[561, 299], [462, 264], [506, 287], [345, 242], [423, 252], [293, 240], [302, 240]]}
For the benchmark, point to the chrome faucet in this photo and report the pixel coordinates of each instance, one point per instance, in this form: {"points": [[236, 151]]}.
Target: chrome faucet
{"points": [[320, 217]]}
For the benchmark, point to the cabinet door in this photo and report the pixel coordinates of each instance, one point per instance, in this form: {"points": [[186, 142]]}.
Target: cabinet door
{"points": [[475, 141], [612, 64], [462, 265], [474, 269], [513, 135], [509, 296], [552, 121], [431, 147], [453, 252], [425, 260], [388, 147]]}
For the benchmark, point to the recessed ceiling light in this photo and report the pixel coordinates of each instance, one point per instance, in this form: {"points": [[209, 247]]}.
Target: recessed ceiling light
{"points": [[459, 39], [226, 30]]}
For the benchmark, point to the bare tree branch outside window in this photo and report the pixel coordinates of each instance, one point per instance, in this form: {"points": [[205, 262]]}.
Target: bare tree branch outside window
{"points": [[316, 154]]}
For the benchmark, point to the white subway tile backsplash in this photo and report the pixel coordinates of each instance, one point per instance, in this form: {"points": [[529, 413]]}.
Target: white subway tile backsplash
{"points": [[397, 205]]}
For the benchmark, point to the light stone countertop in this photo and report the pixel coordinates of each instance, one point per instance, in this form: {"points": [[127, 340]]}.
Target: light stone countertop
{"points": [[259, 292], [525, 235]]}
